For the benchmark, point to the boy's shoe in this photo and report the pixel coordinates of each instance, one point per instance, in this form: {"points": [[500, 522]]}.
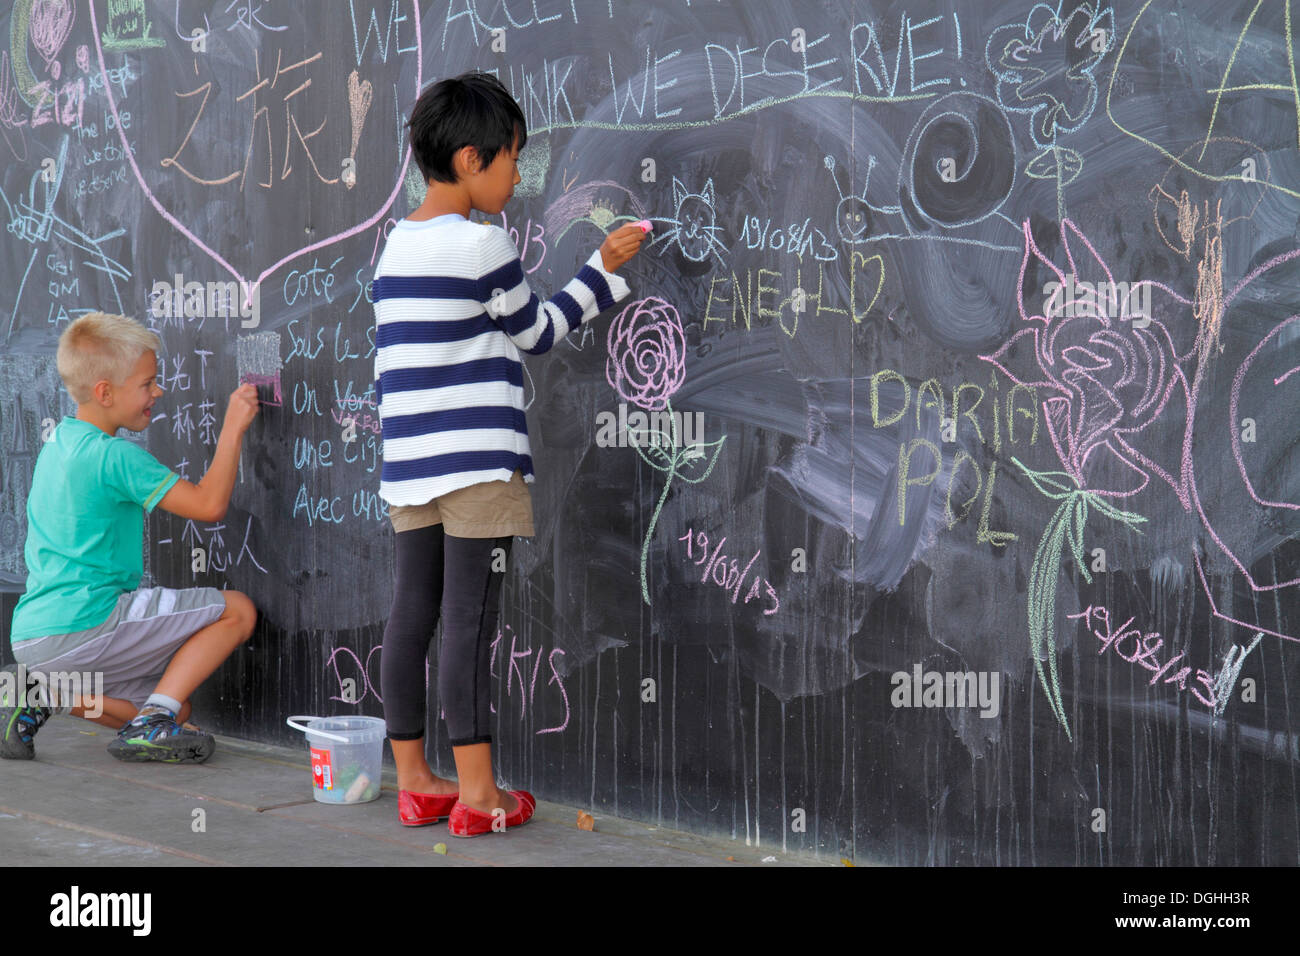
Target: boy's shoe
{"points": [[18, 725], [465, 821], [154, 735]]}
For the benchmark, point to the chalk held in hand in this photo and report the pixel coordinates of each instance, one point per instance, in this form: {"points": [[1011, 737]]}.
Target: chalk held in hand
{"points": [[645, 225], [257, 359]]}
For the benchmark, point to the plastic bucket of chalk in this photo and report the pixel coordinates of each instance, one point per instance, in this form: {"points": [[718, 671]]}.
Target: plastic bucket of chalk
{"points": [[346, 756]]}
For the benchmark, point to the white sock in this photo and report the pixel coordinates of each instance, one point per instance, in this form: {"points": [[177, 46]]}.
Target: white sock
{"points": [[162, 700]]}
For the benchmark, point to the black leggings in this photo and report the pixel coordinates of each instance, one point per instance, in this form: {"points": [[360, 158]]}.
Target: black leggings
{"points": [[461, 578]]}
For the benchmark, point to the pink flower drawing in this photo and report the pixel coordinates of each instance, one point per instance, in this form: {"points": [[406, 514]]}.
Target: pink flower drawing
{"points": [[1106, 362], [646, 365], [1107, 368], [647, 354]]}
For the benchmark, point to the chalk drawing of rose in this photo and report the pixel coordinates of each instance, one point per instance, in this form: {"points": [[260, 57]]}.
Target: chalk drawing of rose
{"points": [[1107, 367], [646, 365], [1105, 360], [647, 354]]}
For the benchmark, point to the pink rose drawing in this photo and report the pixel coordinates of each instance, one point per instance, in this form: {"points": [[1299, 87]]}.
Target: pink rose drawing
{"points": [[1105, 360], [647, 354], [646, 366], [1108, 368]]}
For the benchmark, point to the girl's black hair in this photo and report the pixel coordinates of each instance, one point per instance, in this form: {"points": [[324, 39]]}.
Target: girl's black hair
{"points": [[472, 109]]}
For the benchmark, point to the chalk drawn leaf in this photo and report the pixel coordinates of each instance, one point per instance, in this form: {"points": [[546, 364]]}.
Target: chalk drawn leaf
{"points": [[654, 447], [1054, 162], [1041, 600], [1110, 511], [696, 461], [1042, 480], [1075, 529], [1066, 526]]}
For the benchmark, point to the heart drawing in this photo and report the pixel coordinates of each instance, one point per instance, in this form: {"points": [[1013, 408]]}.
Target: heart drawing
{"points": [[359, 95]]}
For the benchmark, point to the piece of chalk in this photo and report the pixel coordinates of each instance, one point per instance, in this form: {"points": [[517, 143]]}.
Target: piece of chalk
{"points": [[645, 225], [358, 787], [268, 387]]}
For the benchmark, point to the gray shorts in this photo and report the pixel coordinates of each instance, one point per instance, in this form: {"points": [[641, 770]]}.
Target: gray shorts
{"points": [[134, 646]]}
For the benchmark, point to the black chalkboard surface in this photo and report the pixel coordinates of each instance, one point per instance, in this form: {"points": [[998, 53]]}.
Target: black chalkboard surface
{"points": [[935, 497]]}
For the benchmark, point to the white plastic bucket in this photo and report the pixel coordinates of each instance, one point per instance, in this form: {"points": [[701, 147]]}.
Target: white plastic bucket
{"points": [[346, 756]]}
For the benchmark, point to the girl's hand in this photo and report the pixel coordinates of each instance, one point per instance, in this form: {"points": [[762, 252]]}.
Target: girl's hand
{"points": [[621, 245]]}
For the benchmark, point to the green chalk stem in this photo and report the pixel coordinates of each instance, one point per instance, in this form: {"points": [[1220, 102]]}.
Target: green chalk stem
{"points": [[1066, 524]]}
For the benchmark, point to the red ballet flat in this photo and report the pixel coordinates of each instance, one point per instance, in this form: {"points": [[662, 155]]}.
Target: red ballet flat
{"points": [[422, 809], [465, 821]]}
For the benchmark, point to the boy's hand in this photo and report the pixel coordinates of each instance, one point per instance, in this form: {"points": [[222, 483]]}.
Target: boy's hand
{"points": [[242, 409], [621, 245], [209, 499]]}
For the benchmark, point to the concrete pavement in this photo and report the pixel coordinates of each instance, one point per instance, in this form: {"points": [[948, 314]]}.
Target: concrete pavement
{"points": [[251, 805]]}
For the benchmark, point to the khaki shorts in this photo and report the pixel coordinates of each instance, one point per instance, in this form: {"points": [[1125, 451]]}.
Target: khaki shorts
{"points": [[490, 509]]}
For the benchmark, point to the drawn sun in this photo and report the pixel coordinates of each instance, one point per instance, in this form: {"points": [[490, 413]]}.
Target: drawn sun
{"points": [[602, 215]]}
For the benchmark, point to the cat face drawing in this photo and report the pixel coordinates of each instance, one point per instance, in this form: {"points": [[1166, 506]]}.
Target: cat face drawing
{"points": [[694, 227]]}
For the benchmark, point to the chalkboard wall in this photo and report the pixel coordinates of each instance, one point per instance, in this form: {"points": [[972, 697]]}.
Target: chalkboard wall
{"points": [[957, 523]]}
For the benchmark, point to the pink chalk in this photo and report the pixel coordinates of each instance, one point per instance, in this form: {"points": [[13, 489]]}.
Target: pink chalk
{"points": [[645, 225]]}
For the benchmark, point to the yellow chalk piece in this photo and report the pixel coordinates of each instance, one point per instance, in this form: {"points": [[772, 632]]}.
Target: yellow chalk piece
{"points": [[440, 848], [586, 821]]}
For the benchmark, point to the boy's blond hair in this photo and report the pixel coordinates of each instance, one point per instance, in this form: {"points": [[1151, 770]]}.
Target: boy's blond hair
{"points": [[101, 347]]}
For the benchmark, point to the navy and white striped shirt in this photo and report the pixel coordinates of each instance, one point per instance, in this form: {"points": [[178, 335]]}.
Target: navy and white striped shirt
{"points": [[452, 311]]}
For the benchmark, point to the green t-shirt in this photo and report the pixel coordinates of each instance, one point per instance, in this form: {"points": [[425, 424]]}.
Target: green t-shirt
{"points": [[85, 529]]}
